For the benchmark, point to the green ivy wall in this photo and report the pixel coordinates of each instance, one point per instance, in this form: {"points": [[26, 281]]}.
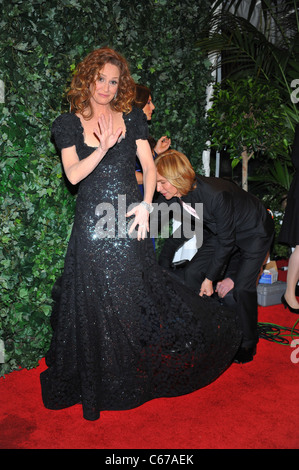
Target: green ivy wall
{"points": [[40, 43]]}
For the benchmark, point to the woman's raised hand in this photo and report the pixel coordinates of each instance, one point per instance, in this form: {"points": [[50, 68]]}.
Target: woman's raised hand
{"points": [[105, 133]]}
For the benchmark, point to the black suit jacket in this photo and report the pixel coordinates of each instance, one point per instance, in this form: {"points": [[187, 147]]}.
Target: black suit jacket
{"points": [[234, 216]]}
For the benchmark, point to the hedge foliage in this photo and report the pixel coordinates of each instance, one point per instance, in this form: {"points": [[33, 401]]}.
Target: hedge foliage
{"points": [[41, 42]]}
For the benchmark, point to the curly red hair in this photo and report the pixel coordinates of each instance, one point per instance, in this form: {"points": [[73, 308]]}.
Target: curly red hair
{"points": [[87, 73]]}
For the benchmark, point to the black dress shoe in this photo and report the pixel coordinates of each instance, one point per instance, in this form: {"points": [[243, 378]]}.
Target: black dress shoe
{"points": [[286, 305], [244, 355]]}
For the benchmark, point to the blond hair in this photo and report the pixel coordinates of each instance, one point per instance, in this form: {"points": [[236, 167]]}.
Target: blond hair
{"points": [[177, 169]]}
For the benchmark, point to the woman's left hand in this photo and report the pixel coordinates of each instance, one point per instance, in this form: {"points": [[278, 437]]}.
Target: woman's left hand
{"points": [[141, 219]]}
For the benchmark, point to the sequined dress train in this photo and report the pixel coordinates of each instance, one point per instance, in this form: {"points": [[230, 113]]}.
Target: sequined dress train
{"points": [[124, 331]]}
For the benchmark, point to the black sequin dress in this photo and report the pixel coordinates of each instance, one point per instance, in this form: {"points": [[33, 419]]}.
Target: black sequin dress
{"points": [[124, 332]]}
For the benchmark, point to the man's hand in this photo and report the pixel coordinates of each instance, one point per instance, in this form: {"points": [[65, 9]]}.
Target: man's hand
{"points": [[206, 288], [223, 287]]}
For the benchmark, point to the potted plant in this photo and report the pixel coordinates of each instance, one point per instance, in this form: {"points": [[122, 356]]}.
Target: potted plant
{"points": [[248, 120]]}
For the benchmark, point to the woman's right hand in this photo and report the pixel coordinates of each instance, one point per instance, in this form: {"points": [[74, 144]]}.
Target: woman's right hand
{"points": [[163, 144], [105, 134]]}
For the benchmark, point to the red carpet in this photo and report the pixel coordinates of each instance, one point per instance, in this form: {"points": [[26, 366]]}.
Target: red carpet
{"points": [[251, 406]]}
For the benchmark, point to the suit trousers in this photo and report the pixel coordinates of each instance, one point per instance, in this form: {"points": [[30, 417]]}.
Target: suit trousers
{"points": [[243, 267]]}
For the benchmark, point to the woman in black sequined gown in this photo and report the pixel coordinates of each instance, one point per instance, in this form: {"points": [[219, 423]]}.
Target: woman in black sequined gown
{"points": [[124, 332]]}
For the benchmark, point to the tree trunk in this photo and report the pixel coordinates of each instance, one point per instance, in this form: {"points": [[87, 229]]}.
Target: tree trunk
{"points": [[245, 160]]}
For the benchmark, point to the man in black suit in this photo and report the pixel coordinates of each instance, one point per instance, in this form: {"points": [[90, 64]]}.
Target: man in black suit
{"points": [[238, 232]]}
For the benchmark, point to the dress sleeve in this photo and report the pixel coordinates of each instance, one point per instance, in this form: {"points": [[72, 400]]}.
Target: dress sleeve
{"points": [[141, 126], [65, 129]]}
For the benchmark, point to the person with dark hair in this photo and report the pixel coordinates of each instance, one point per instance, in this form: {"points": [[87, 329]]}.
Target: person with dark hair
{"points": [[289, 233], [237, 227], [124, 332], [144, 101]]}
